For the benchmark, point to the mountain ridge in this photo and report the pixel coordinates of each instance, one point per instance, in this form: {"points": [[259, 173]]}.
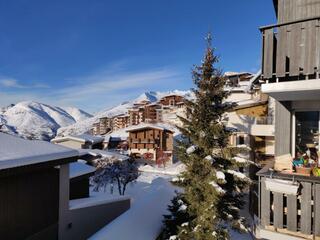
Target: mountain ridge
{"points": [[35, 120]]}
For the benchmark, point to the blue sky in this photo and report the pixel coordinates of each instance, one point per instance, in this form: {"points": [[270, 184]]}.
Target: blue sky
{"points": [[94, 54]]}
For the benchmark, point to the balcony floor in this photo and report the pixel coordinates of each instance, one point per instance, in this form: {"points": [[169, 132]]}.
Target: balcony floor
{"points": [[293, 90]]}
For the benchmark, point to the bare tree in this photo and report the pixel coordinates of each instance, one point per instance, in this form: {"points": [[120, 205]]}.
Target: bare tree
{"points": [[121, 172]]}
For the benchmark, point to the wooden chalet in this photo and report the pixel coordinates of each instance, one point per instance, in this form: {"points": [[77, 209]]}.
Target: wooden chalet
{"points": [[136, 115], [171, 100], [151, 141], [120, 121]]}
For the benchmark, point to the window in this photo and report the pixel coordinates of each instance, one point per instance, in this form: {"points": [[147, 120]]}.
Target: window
{"points": [[241, 140], [306, 136]]}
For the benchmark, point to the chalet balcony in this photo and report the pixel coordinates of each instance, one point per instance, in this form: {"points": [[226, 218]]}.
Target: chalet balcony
{"points": [[291, 51], [144, 141], [288, 204], [262, 126], [291, 60]]}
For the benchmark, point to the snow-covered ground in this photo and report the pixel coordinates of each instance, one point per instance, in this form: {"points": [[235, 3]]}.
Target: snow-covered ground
{"points": [[37, 120], [150, 196]]}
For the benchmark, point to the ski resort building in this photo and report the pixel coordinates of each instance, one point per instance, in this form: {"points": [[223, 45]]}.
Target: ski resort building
{"points": [[136, 115], [252, 117], [120, 121], [83, 141], [289, 190], [151, 142], [35, 193]]}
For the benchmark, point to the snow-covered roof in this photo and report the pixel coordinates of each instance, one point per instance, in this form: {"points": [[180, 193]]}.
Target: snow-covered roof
{"points": [[94, 201], [16, 152], [121, 134], [254, 79], [249, 103], [103, 153], [148, 125], [80, 138], [230, 74], [78, 169]]}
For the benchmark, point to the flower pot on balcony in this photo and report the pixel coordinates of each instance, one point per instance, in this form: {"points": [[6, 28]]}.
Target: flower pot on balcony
{"points": [[306, 171], [282, 186]]}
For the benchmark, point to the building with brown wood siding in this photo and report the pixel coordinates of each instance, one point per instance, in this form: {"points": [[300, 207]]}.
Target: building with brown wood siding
{"points": [[105, 125], [120, 121], [151, 112], [150, 141], [136, 115], [171, 100]]}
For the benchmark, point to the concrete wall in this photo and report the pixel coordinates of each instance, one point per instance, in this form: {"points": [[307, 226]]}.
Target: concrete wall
{"points": [[84, 222], [80, 223]]}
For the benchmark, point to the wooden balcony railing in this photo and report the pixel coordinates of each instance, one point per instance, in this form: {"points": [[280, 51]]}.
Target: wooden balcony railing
{"points": [[291, 51], [297, 215]]}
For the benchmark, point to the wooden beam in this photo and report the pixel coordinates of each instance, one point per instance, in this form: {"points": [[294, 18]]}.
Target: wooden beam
{"points": [[265, 203], [278, 210], [292, 213], [306, 208], [317, 209]]}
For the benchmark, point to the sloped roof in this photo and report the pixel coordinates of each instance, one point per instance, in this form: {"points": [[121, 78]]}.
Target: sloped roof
{"points": [[148, 125], [17, 152], [78, 169], [84, 138]]}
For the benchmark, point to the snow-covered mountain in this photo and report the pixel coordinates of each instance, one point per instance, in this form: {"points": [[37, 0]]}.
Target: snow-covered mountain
{"points": [[84, 126], [37, 120]]}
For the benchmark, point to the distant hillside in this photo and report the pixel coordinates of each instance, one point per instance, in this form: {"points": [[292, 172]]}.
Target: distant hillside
{"points": [[84, 126], [35, 120]]}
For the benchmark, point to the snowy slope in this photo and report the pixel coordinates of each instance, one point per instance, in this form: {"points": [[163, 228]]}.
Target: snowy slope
{"points": [[85, 126], [76, 113], [37, 120]]}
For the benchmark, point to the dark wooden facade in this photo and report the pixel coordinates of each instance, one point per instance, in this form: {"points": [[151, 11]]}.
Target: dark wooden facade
{"points": [[149, 138], [136, 115], [291, 48], [120, 121], [29, 204], [291, 52], [150, 112], [105, 125]]}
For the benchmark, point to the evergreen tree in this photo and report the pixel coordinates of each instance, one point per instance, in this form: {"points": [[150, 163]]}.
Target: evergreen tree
{"points": [[213, 185]]}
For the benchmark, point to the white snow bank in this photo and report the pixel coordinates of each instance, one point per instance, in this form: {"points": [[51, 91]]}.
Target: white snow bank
{"points": [[217, 187], [238, 175], [104, 154], [80, 138], [144, 219], [94, 201], [191, 149], [78, 169], [174, 169], [220, 175]]}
